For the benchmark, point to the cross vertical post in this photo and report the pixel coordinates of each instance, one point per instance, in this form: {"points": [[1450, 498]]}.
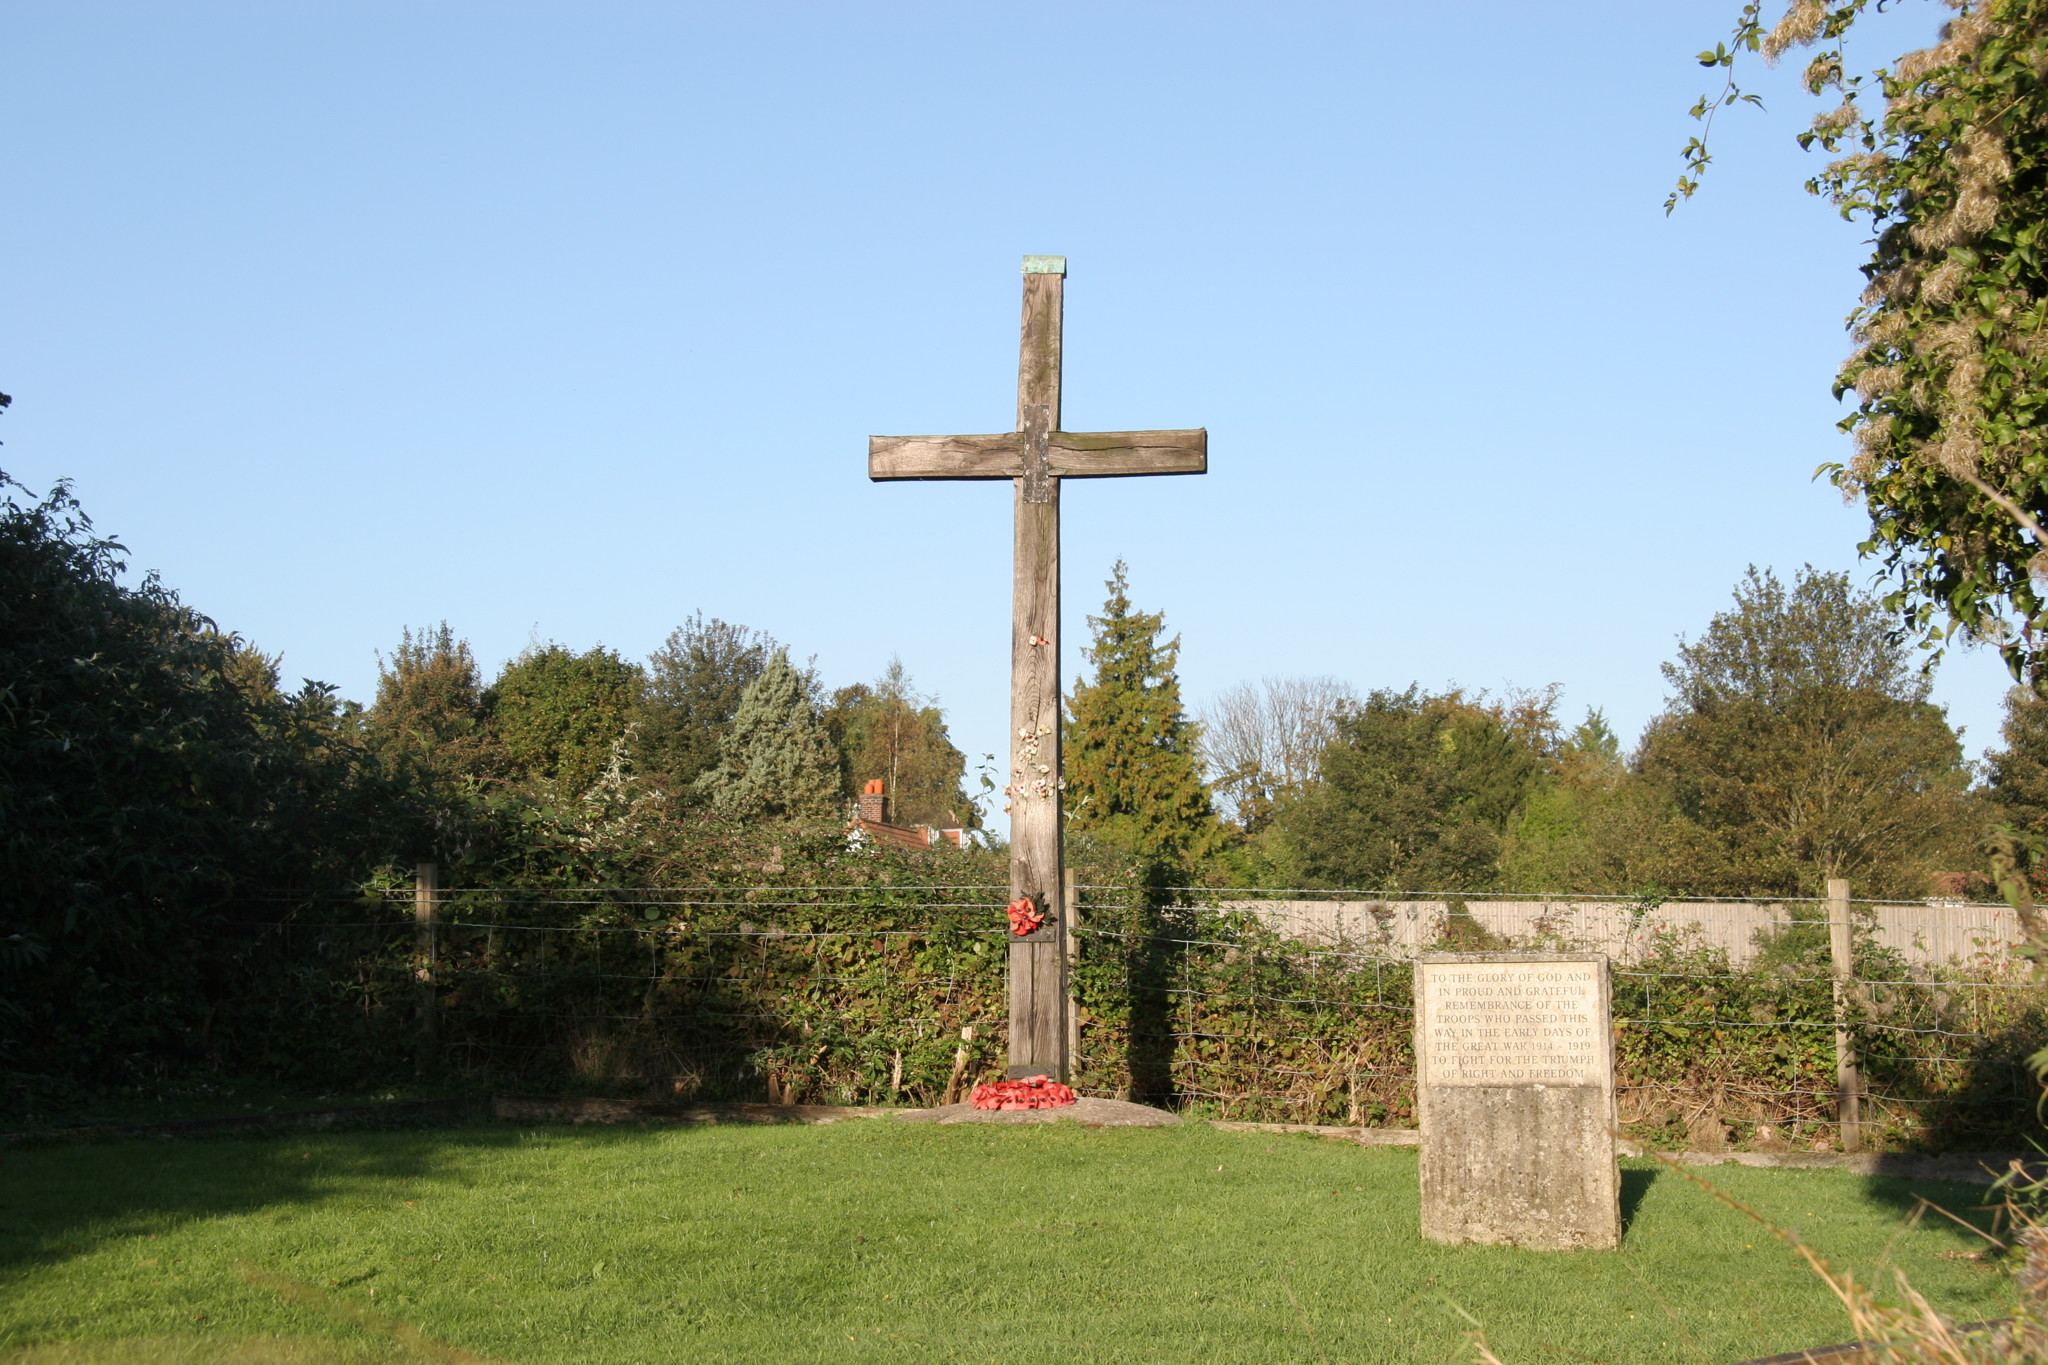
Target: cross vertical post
{"points": [[1038, 961], [1035, 458]]}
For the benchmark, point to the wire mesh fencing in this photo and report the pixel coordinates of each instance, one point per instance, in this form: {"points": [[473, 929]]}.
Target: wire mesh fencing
{"points": [[786, 993], [1298, 1006], [1287, 1006]]}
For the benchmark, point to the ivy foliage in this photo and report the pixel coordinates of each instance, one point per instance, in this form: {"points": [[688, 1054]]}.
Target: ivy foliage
{"points": [[1945, 155]]}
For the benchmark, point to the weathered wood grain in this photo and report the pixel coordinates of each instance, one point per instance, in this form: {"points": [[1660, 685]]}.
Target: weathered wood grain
{"points": [[1038, 348], [1120, 454], [1038, 1026], [945, 457], [1037, 456], [1038, 380], [1069, 455], [1037, 986], [1038, 967]]}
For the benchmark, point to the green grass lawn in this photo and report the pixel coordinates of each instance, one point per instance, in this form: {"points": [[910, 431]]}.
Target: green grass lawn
{"points": [[878, 1240]]}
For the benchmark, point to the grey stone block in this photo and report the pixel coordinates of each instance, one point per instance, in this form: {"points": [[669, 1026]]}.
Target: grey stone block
{"points": [[1514, 1056]]}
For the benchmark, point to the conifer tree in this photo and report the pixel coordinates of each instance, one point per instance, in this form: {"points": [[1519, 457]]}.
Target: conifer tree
{"points": [[1133, 767], [775, 761], [694, 685]]}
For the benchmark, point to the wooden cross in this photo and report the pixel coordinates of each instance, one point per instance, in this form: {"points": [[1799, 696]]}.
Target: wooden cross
{"points": [[1036, 456]]}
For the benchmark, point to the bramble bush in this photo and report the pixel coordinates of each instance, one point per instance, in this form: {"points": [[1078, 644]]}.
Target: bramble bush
{"points": [[858, 992]]}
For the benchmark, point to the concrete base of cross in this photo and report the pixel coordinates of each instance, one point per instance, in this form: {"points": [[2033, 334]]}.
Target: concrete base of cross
{"points": [[1088, 1111]]}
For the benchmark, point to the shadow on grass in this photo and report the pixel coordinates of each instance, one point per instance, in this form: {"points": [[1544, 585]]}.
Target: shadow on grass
{"points": [[1975, 1205], [60, 1202], [1634, 1185]]}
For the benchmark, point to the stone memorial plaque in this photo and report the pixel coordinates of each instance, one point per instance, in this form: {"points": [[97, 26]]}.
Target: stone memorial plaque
{"points": [[1514, 1077]]}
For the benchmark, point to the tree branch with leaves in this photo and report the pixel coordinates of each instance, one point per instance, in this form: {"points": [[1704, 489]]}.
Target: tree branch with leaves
{"points": [[1948, 163]]}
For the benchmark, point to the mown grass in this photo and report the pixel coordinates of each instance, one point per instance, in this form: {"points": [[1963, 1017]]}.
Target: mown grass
{"points": [[879, 1240]]}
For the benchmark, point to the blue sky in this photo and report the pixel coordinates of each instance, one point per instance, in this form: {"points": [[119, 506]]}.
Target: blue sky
{"points": [[561, 322]]}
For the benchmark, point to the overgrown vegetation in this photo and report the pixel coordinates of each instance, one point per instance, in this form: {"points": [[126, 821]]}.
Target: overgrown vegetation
{"points": [[183, 838], [884, 989], [152, 772], [218, 874], [1218, 1011]]}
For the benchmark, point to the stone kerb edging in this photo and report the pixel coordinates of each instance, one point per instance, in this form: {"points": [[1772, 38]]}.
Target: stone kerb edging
{"points": [[1977, 1168], [1974, 1168], [1365, 1137], [641, 1111], [1088, 1111], [1970, 1168]]}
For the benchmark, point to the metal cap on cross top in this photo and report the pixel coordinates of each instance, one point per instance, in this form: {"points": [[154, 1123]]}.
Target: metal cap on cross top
{"points": [[1037, 456]]}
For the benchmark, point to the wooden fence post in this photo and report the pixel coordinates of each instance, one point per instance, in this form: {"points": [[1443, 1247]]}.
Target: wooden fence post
{"points": [[1070, 920], [959, 1065], [426, 889], [1848, 1078]]}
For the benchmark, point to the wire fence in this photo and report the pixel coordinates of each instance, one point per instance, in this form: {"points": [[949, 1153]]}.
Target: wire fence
{"points": [[1290, 1006]]}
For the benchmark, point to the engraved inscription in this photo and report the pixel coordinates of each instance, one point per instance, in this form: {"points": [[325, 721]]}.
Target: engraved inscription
{"points": [[1512, 1023]]}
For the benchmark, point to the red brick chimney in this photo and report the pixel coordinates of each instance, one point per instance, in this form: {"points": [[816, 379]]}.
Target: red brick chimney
{"points": [[874, 803]]}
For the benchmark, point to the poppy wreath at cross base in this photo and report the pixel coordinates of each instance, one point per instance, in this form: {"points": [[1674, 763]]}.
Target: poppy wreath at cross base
{"points": [[1030, 1092]]}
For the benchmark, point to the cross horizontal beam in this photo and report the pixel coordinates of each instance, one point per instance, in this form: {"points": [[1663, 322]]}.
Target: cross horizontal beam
{"points": [[1069, 455]]}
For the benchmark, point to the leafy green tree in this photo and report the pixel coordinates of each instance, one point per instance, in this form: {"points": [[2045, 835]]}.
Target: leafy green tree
{"points": [[1132, 755], [887, 730], [2018, 772], [558, 713], [151, 772], [694, 685], [1551, 842], [1799, 740], [428, 724], [1416, 792], [128, 738], [776, 762], [1776, 645], [1949, 167]]}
